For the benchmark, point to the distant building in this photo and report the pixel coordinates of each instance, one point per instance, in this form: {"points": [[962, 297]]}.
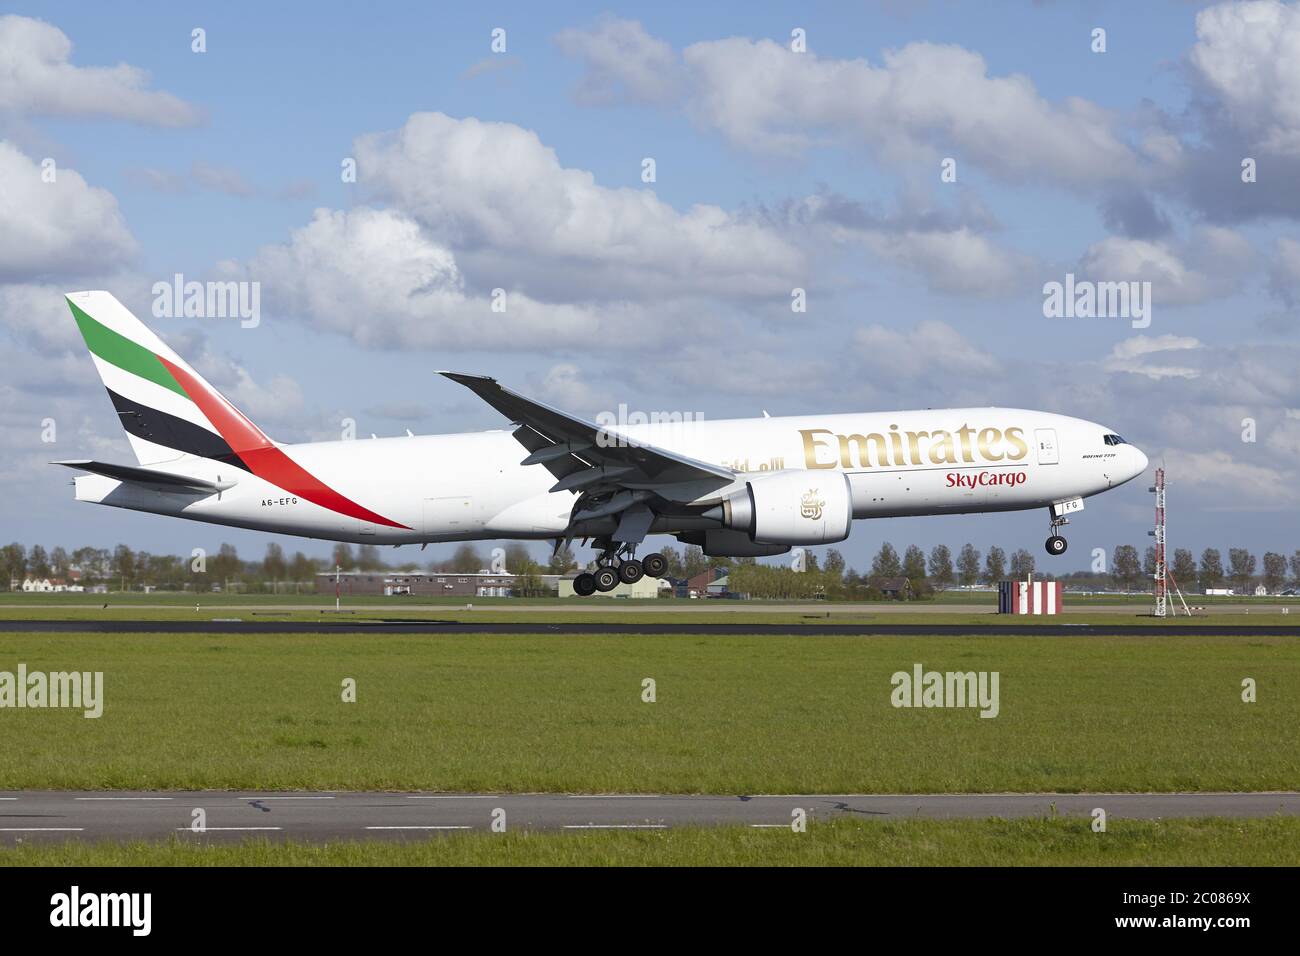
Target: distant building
{"points": [[706, 583], [43, 585], [424, 584], [899, 588], [1221, 592]]}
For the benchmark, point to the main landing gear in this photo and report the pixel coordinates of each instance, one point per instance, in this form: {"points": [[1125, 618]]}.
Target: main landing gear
{"points": [[617, 566], [1056, 544]]}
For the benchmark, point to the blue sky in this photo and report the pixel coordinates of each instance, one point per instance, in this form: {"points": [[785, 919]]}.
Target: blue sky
{"points": [[1121, 165]]}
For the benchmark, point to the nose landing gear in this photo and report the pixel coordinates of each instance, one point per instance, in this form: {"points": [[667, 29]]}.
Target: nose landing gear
{"points": [[1056, 544]]}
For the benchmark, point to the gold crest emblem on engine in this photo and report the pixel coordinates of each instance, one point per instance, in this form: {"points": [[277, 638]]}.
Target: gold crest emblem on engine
{"points": [[810, 506]]}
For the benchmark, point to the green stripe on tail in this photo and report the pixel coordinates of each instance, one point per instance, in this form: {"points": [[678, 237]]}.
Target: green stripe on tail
{"points": [[120, 351]]}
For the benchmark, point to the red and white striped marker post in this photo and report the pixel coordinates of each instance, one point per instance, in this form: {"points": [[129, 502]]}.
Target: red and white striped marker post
{"points": [[1029, 597]]}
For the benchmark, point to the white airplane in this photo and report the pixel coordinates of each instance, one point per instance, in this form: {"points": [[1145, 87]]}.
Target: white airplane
{"points": [[736, 488]]}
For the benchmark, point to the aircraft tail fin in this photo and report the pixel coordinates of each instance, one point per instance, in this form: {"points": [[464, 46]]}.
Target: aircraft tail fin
{"points": [[166, 408]]}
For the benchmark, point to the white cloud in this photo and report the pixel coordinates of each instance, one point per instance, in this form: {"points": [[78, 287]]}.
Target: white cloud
{"points": [[930, 350], [1238, 481], [159, 180], [945, 244], [211, 177], [564, 386], [957, 261], [36, 77], [37, 316], [1283, 437], [1210, 264], [376, 277], [222, 179], [495, 64], [495, 193], [623, 62], [277, 400], [1284, 273], [1135, 355], [746, 367], [763, 97], [1248, 56], [55, 228]]}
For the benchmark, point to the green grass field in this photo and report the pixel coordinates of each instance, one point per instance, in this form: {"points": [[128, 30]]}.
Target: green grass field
{"points": [[1207, 842], [171, 606], [733, 714]]}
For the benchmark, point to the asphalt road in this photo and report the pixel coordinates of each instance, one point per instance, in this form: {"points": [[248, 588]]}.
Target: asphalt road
{"points": [[433, 626], [593, 605], [46, 815]]}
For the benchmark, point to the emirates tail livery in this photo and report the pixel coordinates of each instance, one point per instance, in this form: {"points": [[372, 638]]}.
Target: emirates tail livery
{"points": [[739, 488]]}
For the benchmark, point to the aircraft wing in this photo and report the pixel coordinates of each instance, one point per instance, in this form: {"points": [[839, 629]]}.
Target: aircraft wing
{"points": [[582, 455]]}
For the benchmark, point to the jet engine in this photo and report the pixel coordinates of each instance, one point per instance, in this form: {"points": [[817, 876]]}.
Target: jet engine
{"points": [[726, 543], [790, 507]]}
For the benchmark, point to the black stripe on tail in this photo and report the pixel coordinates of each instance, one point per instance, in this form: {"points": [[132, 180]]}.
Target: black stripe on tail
{"points": [[172, 431]]}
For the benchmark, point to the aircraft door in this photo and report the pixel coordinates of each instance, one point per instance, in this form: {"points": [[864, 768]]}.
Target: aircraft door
{"points": [[451, 514], [1045, 439]]}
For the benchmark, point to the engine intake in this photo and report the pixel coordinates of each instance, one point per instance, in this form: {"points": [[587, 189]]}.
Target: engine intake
{"points": [[791, 507]]}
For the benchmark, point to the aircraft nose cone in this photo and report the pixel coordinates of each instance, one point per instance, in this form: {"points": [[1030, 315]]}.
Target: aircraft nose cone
{"points": [[1139, 461]]}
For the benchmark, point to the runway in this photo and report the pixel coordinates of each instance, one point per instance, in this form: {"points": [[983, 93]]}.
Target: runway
{"points": [[590, 606], [233, 816], [433, 626]]}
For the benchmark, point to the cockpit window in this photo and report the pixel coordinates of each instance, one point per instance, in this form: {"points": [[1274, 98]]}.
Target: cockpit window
{"points": [[1113, 440]]}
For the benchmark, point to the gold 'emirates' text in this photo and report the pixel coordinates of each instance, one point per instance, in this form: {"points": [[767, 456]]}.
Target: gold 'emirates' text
{"points": [[822, 448]]}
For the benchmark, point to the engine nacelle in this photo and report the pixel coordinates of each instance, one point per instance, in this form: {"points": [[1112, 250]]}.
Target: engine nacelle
{"points": [[791, 507], [726, 543]]}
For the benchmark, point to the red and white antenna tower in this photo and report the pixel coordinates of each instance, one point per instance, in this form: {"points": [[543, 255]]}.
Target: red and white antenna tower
{"points": [[1162, 573], [1163, 576]]}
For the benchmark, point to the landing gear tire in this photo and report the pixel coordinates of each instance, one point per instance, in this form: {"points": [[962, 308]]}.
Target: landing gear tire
{"points": [[631, 571], [655, 565], [606, 579], [584, 584], [1056, 545]]}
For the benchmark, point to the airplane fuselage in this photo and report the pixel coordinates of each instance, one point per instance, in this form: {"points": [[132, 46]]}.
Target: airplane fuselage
{"points": [[472, 486]]}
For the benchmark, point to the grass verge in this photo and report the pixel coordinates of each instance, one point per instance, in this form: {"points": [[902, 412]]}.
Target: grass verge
{"points": [[1045, 842]]}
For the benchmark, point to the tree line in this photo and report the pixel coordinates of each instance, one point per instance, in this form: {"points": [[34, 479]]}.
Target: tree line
{"points": [[124, 568], [812, 574], [1123, 568]]}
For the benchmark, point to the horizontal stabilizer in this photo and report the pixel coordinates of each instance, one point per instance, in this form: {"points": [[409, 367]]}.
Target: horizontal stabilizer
{"points": [[147, 476]]}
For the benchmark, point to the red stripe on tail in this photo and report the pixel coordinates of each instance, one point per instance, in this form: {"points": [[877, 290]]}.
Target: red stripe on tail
{"points": [[261, 455]]}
